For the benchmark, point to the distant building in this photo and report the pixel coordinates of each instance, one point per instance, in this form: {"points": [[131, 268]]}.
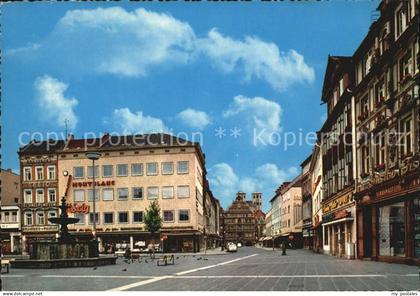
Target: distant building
{"points": [[241, 224], [307, 232], [10, 212]]}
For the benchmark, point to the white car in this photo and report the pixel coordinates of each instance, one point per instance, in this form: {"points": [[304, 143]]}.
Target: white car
{"points": [[231, 247]]}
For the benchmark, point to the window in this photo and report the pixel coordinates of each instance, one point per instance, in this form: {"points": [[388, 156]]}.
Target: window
{"points": [[137, 217], [51, 173], [341, 175], [122, 193], [183, 191], [90, 194], [51, 195], [27, 174], [168, 216], [403, 16], [79, 172], [81, 217], [182, 167], [28, 195], [122, 170], [79, 195], [167, 192], [107, 194], [405, 66], [288, 223], [40, 218], [406, 141], [137, 169], [184, 215], [167, 168], [123, 217], [51, 214], [108, 218], [137, 192], [6, 217], [90, 171], [151, 169], [91, 218], [288, 209], [39, 173], [14, 217], [107, 171], [380, 150], [152, 192], [365, 159], [28, 219], [40, 195]]}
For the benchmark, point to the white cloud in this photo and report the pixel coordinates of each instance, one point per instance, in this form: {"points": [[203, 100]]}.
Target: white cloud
{"points": [[128, 43], [54, 104], [257, 58], [264, 114], [194, 118], [266, 178], [128, 122]]}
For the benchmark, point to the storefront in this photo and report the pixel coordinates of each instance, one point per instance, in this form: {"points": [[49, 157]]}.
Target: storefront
{"points": [[389, 221], [339, 226], [317, 235]]}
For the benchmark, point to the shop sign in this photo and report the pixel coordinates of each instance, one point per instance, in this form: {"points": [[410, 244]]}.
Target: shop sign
{"points": [[97, 183], [37, 160], [40, 205], [40, 228], [78, 208], [337, 203], [336, 215], [395, 189], [39, 184]]}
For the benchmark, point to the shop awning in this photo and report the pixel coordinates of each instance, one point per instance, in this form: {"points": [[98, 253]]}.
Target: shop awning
{"points": [[339, 221]]}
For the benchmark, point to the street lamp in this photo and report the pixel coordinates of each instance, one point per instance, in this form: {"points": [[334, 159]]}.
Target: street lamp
{"points": [[93, 156], [272, 235]]}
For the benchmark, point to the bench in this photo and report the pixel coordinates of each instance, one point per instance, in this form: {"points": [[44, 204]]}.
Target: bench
{"points": [[5, 264], [165, 260]]}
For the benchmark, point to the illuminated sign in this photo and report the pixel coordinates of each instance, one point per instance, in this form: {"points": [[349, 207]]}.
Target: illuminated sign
{"points": [[78, 208], [97, 183]]}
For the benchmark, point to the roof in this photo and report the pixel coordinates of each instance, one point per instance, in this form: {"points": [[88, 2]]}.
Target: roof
{"points": [[335, 64], [306, 161]]}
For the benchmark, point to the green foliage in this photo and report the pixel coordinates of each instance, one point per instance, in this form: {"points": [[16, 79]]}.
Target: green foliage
{"points": [[152, 219]]}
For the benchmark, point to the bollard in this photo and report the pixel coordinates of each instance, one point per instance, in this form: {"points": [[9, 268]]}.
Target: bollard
{"points": [[283, 248]]}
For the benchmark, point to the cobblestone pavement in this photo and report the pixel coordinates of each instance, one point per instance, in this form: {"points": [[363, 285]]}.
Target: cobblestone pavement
{"points": [[248, 269]]}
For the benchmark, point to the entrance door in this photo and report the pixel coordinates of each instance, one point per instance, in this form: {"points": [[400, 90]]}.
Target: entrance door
{"points": [[367, 232], [342, 240]]}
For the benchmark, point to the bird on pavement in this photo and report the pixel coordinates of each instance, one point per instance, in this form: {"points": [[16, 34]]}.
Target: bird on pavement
{"points": [[199, 258], [95, 268], [125, 269], [146, 261], [205, 259]]}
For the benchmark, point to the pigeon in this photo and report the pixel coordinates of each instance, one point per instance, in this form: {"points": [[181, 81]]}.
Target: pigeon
{"points": [[177, 258], [146, 261], [199, 258], [205, 259], [95, 268], [125, 269]]}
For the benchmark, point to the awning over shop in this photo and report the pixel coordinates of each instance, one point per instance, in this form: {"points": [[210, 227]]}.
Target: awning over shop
{"points": [[339, 221]]}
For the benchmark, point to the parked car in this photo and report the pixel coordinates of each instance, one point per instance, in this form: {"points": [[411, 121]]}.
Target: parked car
{"points": [[239, 245], [231, 247]]}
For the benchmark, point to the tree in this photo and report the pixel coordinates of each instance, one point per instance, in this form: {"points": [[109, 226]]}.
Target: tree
{"points": [[153, 220]]}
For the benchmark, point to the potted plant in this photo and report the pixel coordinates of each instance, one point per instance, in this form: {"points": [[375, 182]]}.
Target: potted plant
{"points": [[380, 167], [364, 175]]}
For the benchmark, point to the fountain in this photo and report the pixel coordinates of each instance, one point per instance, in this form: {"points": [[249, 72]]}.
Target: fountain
{"points": [[66, 251]]}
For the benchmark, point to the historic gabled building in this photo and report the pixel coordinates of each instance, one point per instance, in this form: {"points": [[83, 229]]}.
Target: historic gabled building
{"points": [[317, 194], [388, 123], [240, 222], [337, 146], [307, 232]]}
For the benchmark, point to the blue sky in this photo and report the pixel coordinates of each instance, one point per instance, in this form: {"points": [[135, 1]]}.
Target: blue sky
{"points": [[255, 70]]}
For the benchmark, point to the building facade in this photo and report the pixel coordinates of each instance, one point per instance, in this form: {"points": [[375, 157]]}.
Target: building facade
{"points": [[132, 172], [316, 190], [388, 125], [291, 213], [240, 222], [337, 146], [307, 231], [10, 220]]}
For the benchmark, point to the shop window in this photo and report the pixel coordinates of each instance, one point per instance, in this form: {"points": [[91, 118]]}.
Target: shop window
{"points": [[392, 230], [326, 238]]}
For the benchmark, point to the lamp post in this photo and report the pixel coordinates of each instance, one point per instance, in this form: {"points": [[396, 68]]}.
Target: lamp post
{"points": [[272, 234], [93, 156]]}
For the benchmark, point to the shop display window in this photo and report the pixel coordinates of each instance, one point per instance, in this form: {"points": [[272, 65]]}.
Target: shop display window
{"points": [[392, 230]]}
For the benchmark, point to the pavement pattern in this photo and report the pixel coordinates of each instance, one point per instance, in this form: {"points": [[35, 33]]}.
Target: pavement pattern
{"points": [[249, 269]]}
